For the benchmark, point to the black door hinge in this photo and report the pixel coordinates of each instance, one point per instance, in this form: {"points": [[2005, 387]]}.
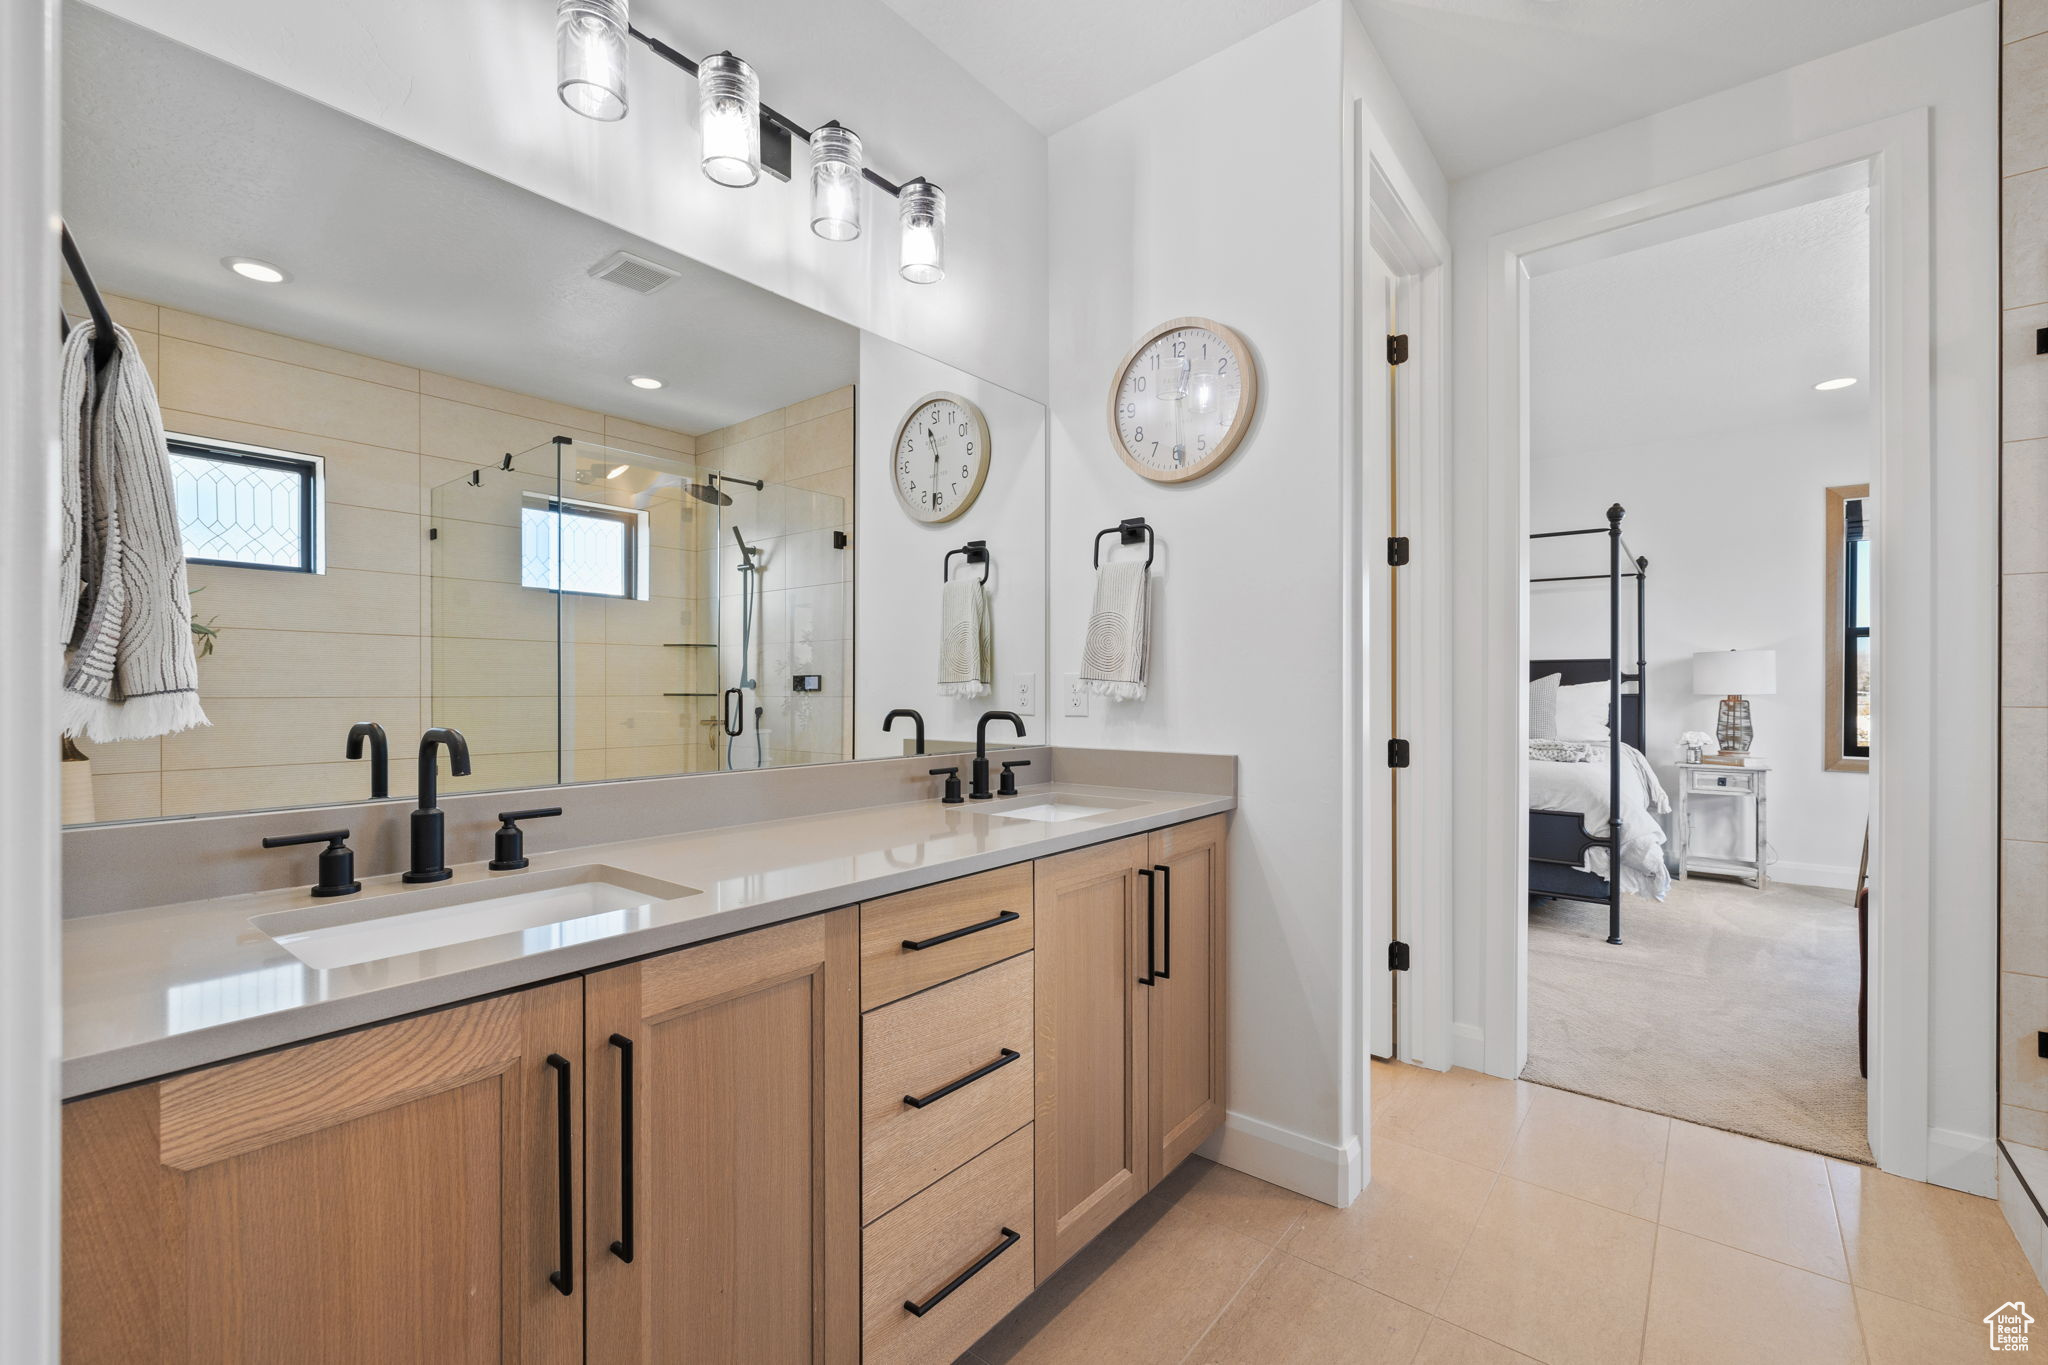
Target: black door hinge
{"points": [[1397, 753], [1397, 349], [1397, 956], [1397, 550]]}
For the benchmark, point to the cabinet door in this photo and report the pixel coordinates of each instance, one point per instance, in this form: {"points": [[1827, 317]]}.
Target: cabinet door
{"points": [[1185, 1077], [394, 1195], [724, 1172], [1094, 1160]]}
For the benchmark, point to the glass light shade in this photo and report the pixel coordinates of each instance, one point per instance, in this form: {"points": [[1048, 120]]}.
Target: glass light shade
{"points": [[590, 57], [923, 214], [835, 183], [729, 118]]}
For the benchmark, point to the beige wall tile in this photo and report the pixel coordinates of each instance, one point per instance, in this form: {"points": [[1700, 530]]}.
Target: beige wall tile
{"points": [[585, 765], [246, 388], [2024, 545], [642, 670], [2023, 776], [493, 668], [2025, 215], [2025, 383], [2023, 918], [338, 602], [655, 761], [656, 621], [230, 337], [836, 483], [497, 772], [758, 457], [256, 732], [2023, 1008], [2023, 19], [473, 435], [2027, 1126], [2025, 100], [375, 539], [651, 722], [563, 417], [836, 400], [482, 609], [124, 756], [500, 725], [201, 791], [2023, 647], [474, 549], [356, 475], [821, 444], [134, 314], [297, 663], [626, 432], [127, 796]]}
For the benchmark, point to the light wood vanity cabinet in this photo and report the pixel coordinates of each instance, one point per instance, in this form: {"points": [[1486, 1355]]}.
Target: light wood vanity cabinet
{"points": [[396, 1194], [1185, 1031]]}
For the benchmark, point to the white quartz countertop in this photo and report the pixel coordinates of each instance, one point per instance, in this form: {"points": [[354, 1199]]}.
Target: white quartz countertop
{"points": [[154, 991]]}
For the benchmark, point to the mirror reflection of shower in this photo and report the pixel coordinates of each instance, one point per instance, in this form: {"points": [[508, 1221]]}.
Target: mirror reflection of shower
{"points": [[749, 569]]}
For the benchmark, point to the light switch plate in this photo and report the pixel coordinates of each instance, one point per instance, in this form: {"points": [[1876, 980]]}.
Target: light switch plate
{"points": [[1076, 695], [1024, 694]]}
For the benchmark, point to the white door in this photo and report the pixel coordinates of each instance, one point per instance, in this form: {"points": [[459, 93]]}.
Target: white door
{"points": [[1377, 417]]}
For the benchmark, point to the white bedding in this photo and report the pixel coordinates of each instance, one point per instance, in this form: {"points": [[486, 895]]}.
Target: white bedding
{"points": [[1582, 787]]}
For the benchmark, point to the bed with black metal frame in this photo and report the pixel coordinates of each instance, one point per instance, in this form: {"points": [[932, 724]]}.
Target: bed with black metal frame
{"points": [[1559, 839]]}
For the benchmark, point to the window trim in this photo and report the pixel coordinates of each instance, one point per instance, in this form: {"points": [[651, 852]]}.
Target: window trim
{"points": [[312, 495], [1835, 756], [636, 547]]}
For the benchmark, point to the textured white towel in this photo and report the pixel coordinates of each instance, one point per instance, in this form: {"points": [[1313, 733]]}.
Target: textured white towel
{"points": [[1118, 651], [966, 639], [127, 617]]}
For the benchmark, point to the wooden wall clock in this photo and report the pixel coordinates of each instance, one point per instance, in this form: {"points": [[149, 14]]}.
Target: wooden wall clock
{"points": [[940, 458], [1182, 399]]}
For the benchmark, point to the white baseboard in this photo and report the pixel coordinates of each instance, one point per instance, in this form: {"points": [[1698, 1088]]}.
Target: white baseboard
{"points": [[1962, 1161], [1294, 1161], [1814, 874], [1468, 1047]]}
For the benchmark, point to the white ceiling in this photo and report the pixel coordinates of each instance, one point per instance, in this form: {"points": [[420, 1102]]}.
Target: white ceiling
{"points": [[173, 160], [1719, 330]]}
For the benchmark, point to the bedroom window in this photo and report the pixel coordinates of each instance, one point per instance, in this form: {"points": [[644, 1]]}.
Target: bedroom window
{"points": [[246, 506], [1849, 620], [585, 548]]}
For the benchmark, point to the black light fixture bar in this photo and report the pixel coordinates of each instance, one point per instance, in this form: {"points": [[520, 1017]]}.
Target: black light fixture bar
{"points": [[771, 117]]}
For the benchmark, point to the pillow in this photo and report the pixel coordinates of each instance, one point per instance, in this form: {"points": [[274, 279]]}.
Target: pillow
{"points": [[1582, 711], [1543, 707]]}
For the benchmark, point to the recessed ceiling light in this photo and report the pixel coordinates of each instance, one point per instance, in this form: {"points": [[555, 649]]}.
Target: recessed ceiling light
{"points": [[617, 470], [1827, 384], [641, 381], [263, 272]]}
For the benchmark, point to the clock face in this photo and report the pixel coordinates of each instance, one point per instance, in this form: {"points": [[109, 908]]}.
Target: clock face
{"points": [[1183, 399], [941, 457]]}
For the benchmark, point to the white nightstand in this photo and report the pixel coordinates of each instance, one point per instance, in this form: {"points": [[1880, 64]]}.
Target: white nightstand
{"points": [[1711, 780]]}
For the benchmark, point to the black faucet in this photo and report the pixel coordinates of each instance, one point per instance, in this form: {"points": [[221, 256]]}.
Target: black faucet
{"points": [[429, 848], [979, 791], [918, 720], [380, 755]]}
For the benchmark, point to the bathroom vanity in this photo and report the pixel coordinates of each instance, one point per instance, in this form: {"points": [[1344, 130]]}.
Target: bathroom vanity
{"points": [[865, 1132]]}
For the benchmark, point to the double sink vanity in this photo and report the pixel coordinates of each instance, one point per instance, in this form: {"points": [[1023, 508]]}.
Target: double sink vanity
{"points": [[844, 1085]]}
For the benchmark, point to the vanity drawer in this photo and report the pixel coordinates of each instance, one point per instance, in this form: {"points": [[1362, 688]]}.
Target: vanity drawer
{"points": [[1731, 780], [961, 925], [963, 1050], [979, 1216]]}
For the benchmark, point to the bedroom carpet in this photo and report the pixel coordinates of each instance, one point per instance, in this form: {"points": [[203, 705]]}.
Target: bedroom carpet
{"points": [[1724, 1006]]}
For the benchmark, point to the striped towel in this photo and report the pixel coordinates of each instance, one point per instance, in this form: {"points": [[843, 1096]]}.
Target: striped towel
{"points": [[967, 648], [1117, 655], [130, 673]]}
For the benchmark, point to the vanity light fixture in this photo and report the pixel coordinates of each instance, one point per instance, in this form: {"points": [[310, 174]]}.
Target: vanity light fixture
{"points": [[742, 137], [249, 268], [923, 211], [643, 381], [590, 57], [1829, 385]]}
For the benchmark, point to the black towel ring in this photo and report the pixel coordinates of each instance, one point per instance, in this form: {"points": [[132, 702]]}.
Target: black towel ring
{"points": [[1129, 531], [976, 552]]}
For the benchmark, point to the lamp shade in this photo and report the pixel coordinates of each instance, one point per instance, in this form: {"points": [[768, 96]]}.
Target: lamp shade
{"points": [[1735, 673]]}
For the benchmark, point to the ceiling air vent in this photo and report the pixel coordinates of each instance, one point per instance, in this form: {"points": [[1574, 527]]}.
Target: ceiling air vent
{"points": [[636, 273]]}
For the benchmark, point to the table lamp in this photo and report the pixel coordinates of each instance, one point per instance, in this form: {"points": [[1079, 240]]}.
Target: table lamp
{"points": [[1732, 675]]}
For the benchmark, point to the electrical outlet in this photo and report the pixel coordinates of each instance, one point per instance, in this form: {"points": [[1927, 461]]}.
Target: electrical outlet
{"points": [[1024, 694], [1077, 695]]}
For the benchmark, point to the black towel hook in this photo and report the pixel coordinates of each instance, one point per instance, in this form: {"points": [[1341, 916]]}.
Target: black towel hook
{"points": [[1129, 531], [976, 552], [103, 339]]}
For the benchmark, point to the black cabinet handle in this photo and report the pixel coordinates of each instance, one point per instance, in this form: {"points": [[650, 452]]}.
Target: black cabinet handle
{"points": [[623, 1248], [1151, 924], [918, 945], [1165, 973], [565, 1278], [1010, 1239], [1009, 1055]]}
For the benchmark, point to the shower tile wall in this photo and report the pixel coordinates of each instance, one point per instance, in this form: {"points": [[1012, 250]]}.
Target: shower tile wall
{"points": [[804, 452], [2023, 910], [301, 657]]}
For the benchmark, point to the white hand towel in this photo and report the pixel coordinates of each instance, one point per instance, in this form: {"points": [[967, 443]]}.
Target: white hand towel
{"points": [[966, 639], [131, 673], [1117, 655]]}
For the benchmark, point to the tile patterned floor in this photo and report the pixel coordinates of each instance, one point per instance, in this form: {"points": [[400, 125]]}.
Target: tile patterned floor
{"points": [[1509, 1224]]}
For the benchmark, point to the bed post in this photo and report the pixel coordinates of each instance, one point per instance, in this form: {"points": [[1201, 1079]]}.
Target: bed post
{"points": [[1614, 741], [1642, 657]]}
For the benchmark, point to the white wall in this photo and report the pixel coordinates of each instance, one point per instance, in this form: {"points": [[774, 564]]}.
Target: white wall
{"points": [[1243, 224], [474, 80], [1734, 526], [896, 646], [1949, 66]]}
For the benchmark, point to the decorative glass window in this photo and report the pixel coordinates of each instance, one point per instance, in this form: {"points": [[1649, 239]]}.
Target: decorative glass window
{"points": [[246, 506], [1849, 621], [581, 547]]}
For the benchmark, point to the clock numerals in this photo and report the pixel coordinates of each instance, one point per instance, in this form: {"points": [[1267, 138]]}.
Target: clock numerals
{"points": [[938, 437], [1181, 401]]}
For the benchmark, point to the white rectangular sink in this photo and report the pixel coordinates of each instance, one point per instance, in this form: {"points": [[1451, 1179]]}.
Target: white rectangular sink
{"points": [[1057, 809], [552, 909]]}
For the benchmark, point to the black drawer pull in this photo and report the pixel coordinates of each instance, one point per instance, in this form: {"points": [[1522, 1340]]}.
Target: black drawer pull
{"points": [[1010, 1239], [623, 1248], [565, 1278], [1010, 1054], [918, 945]]}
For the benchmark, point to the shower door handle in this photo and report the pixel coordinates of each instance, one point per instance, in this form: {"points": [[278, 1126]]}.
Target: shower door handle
{"points": [[735, 712]]}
